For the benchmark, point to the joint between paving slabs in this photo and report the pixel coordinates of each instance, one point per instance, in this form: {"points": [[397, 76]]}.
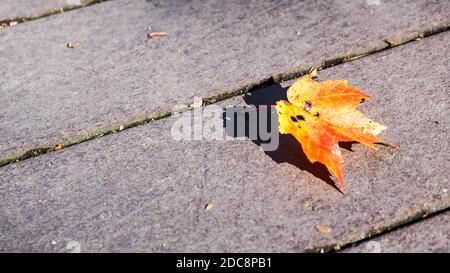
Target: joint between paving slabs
{"points": [[46, 13], [378, 231], [227, 94]]}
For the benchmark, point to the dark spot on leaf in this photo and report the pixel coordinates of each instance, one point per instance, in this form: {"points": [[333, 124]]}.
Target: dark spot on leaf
{"points": [[300, 117], [293, 119], [317, 114], [363, 100]]}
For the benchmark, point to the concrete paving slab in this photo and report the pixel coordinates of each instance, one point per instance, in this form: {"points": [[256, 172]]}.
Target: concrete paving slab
{"points": [[19, 8], [50, 93], [17, 11], [430, 235], [142, 190]]}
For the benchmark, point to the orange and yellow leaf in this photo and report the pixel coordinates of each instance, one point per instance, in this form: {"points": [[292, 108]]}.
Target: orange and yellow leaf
{"points": [[320, 114]]}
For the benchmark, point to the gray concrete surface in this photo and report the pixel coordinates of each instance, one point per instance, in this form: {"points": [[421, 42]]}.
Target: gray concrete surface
{"points": [[11, 9], [430, 235], [49, 92], [141, 190], [16, 8]]}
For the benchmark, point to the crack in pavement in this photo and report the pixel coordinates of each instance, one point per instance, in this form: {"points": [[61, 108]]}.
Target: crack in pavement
{"points": [[377, 232], [9, 22]]}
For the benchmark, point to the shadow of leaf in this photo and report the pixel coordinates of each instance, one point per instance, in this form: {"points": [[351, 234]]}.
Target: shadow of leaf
{"points": [[289, 149]]}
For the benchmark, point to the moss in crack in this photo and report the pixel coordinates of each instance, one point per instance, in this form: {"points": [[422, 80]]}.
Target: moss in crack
{"points": [[251, 87], [355, 54], [46, 13], [67, 142], [376, 231], [246, 88], [295, 73], [413, 36]]}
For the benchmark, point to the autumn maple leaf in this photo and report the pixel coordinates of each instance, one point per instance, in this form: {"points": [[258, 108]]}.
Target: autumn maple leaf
{"points": [[320, 114]]}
